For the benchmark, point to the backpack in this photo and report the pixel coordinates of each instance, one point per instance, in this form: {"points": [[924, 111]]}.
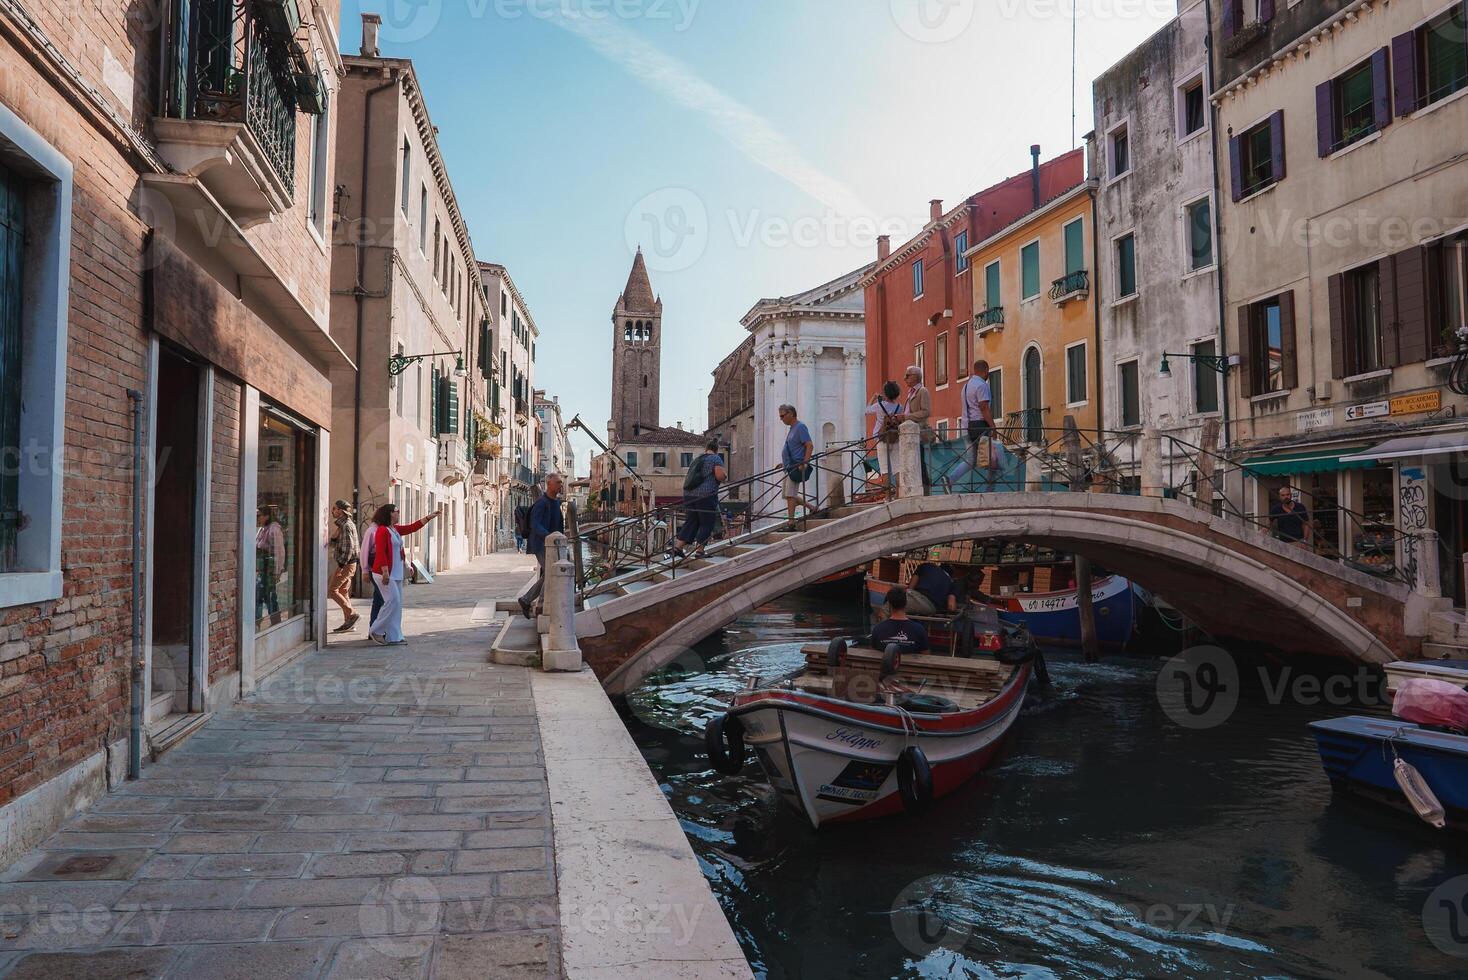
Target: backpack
{"points": [[695, 474], [522, 521], [889, 431]]}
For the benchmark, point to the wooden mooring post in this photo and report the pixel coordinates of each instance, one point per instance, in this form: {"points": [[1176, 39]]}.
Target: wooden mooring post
{"points": [[1085, 606]]}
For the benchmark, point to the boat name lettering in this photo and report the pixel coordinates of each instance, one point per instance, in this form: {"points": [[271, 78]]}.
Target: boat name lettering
{"points": [[855, 739]]}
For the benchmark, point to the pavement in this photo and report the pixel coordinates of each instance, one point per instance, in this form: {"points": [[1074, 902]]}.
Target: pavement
{"points": [[373, 812]]}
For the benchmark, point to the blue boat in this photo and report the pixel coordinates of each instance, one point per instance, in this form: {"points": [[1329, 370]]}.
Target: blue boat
{"points": [[1358, 754]]}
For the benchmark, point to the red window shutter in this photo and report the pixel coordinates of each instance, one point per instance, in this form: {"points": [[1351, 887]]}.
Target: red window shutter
{"points": [[1404, 72], [1266, 11], [1277, 144], [1236, 165], [1288, 360], [1246, 352], [1381, 88], [1325, 117], [1337, 289]]}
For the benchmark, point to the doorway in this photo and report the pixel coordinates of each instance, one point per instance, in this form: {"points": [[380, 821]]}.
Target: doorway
{"points": [[175, 537], [1033, 396], [1450, 488]]}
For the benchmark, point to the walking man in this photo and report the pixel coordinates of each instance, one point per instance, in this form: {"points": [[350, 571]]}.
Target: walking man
{"points": [[795, 456], [978, 422], [545, 519], [701, 497], [1290, 520], [346, 556]]}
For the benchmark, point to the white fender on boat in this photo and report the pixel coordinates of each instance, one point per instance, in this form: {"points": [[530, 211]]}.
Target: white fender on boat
{"points": [[1418, 793]]}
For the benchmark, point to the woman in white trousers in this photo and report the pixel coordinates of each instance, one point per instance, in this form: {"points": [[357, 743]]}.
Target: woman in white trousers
{"points": [[389, 567]]}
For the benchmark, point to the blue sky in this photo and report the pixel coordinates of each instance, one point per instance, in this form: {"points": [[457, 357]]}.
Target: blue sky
{"points": [[753, 147]]}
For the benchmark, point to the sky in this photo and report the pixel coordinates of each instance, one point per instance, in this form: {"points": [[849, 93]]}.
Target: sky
{"points": [[752, 148]]}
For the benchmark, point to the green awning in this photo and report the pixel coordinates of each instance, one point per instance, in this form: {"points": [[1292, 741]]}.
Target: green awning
{"points": [[1307, 461]]}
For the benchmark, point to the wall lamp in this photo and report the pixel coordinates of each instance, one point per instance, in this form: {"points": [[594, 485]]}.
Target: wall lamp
{"points": [[1219, 364], [398, 363]]}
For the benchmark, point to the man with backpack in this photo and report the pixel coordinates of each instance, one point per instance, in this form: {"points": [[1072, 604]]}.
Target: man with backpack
{"points": [[545, 519], [700, 496], [978, 422]]}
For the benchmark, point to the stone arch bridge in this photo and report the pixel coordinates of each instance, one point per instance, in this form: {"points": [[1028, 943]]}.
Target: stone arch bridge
{"points": [[1226, 575]]}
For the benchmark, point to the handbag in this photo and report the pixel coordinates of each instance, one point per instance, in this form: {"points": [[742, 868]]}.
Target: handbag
{"points": [[798, 473]]}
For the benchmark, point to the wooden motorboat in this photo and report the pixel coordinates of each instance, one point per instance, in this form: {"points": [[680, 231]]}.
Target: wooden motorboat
{"points": [[859, 733]]}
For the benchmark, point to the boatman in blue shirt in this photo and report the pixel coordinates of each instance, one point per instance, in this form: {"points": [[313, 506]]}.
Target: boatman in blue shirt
{"points": [[795, 456], [978, 421], [909, 636]]}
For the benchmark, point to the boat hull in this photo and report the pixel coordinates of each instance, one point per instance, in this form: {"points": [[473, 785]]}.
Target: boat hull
{"points": [[1052, 617], [834, 761], [1357, 755]]}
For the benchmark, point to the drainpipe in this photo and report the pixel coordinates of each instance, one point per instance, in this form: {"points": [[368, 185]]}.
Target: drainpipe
{"points": [[359, 291], [1096, 300], [1218, 263], [135, 724]]}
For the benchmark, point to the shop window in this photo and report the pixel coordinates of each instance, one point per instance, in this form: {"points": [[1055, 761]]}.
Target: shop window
{"points": [[284, 529]]}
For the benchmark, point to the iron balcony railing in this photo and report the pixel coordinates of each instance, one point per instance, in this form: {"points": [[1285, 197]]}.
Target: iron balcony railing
{"points": [[992, 317], [231, 62], [1070, 283], [523, 474]]}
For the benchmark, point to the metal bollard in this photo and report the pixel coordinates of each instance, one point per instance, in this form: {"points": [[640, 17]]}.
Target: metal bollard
{"points": [[560, 651]]}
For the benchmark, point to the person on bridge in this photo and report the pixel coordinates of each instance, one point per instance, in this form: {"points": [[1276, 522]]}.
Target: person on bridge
{"points": [[886, 408], [1289, 519], [545, 519], [795, 456], [931, 592], [389, 567], [978, 421], [918, 407], [909, 636], [701, 497]]}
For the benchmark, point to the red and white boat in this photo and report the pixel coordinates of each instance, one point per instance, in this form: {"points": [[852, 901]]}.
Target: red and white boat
{"points": [[859, 734]]}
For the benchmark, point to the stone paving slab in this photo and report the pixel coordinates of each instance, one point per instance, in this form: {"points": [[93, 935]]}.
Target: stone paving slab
{"points": [[367, 814]]}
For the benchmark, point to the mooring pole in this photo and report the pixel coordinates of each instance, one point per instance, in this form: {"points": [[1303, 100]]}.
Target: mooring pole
{"points": [[1085, 607]]}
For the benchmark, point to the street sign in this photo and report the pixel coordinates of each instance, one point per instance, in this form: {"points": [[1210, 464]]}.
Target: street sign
{"points": [[1423, 401], [1370, 410], [1316, 418]]}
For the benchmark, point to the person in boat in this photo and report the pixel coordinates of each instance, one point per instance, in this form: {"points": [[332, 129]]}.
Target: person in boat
{"points": [[931, 592], [909, 636]]}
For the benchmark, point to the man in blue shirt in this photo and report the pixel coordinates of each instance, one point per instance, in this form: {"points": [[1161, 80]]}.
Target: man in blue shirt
{"points": [[795, 457], [545, 519], [930, 593], [978, 422], [910, 637], [701, 502]]}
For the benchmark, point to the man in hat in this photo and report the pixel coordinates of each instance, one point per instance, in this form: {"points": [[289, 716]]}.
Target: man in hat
{"points": [[344, 553]]}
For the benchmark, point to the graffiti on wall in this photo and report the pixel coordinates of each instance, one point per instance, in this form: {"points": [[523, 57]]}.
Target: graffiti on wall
{"points": [[1412, 506]]}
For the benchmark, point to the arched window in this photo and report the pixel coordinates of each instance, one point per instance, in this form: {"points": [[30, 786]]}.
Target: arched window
{"points": [[1033, 396], [644, 381], [627, 332]]}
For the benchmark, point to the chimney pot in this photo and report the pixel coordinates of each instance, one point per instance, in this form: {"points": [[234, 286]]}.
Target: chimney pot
{"points": [[884, 247], [935, 210], [370, 24], [1035, 174]]}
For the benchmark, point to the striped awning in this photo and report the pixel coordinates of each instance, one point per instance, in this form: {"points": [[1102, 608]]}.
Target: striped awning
{"points": [[1308, 461]]}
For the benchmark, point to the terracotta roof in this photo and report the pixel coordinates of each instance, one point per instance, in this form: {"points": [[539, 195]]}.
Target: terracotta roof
{"points": [[637, 296], [663, 436]]}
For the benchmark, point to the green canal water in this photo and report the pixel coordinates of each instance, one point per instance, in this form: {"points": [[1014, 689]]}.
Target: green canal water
{"points": [[1104, 841]]}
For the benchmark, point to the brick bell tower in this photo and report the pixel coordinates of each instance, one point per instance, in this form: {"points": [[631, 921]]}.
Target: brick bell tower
{"points": [[637, 347]]}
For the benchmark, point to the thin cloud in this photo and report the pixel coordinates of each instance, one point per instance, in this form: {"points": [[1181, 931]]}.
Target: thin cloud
{"points": [[749, 132]]}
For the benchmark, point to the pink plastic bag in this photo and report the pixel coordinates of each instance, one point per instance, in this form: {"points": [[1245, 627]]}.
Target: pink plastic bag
{"points": [[1423, 701]]}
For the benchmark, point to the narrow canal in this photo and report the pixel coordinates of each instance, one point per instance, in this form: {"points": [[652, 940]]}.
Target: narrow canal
{"points": [[1104, 841]]}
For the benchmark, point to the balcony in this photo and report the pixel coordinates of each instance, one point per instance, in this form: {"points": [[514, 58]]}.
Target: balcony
{"points": [[1071, 286], [990, 319], [453, 459], [235, 81], [522, 474]]}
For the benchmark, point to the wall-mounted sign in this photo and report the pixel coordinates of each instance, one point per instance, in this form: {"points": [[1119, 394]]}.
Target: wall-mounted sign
{"points": [[1316, 418], [1423, 401], [1370, 410]]}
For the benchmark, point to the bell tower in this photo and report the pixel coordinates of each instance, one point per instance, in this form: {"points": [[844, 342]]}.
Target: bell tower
{"points": [[637, 346]]}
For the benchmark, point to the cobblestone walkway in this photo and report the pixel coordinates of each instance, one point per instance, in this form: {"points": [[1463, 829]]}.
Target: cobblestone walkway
{"points": [[373, 812]]}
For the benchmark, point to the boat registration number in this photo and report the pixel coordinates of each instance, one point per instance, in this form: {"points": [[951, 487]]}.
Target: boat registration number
{"points": [[858, 783]]}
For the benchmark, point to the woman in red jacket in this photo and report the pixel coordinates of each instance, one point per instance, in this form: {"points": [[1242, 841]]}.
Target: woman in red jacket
{"points": [[389, 561]]}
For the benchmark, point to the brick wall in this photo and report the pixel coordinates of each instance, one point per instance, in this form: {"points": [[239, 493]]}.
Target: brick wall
{"points": [[224, 530]]}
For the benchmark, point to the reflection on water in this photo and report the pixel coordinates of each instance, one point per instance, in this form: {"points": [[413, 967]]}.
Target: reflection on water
{"points": [[1104, 841]]}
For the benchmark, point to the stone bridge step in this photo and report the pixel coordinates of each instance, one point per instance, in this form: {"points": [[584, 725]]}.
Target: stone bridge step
{"points": [[1447, 627], [1444, 651]]}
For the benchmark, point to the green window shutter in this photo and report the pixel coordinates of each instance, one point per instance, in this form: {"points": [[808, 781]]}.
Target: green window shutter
{"points": [[448, 405], [1029, 259], [991, 287], [1075, 247], [433, 399]]}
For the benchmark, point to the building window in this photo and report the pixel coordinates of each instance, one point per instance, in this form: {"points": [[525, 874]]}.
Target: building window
{"points": [[320, 150], [993, 300], [963, 351], [1121, 152], [942, 430], [437, 238], [407, 175], [1200, 235], [1126, 266], [1257, 158], [1075, 374], [996, 392], [917, 278], [1431, 63], [940, 360], [1353, 105], [1075, 246], [918, 357], [685, 460], [960, 246], [631, 456], [659, 461], [423, 220], [285, 532], [1448, 266], [1267, 345], [1363, 319], [1032, 392], [1131, 399], [1029, 270], [1192, 111], [1205, 379]]}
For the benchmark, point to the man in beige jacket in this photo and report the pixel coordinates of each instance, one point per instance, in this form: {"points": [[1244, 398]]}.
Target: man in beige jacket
{"points": [[918, 406]]}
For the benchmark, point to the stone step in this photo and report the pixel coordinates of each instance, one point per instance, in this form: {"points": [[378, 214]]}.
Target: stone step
{"points": [[1444, 651], [518, 643], [173, 732], [1447, 627]]}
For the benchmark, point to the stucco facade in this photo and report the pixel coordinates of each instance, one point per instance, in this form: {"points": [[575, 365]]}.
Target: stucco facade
{"points": [[509, 477]]}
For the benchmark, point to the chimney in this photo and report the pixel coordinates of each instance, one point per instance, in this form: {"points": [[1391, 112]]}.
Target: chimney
{"points": [[935, 210], [370, 24], [884, 247], [1035, 174]]}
